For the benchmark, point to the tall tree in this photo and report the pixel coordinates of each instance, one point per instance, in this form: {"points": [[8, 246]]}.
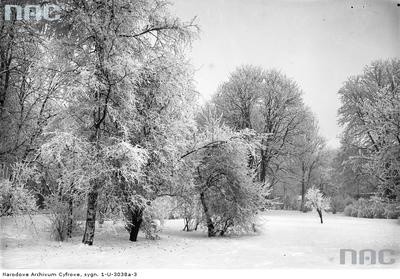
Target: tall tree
{"points": [[270, 103], [370, 116], [116, 49], [28, 88], [308, 154]]}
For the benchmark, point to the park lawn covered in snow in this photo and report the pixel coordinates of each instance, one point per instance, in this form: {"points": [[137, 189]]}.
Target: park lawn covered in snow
{"points": [[286, 239]]}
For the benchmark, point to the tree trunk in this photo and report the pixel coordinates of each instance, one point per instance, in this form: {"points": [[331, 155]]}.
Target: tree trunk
{"points": [[263, 167], [186, 227], [6, 59], [303, 189], [302, 196], [88, 236], [210, 225], [320, 215], [137, 218], [70, 217]]}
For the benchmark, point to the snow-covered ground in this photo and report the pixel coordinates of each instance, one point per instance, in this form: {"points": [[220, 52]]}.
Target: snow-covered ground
{"points": [[286, 239]]}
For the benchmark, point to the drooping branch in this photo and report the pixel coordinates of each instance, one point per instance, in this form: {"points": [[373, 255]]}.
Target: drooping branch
{"points": [[211, 144]]}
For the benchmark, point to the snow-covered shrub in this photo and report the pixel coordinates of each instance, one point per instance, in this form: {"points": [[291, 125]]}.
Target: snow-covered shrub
{"points": [[354, 210], [61, 221], [372, 208], [5, 197], [348, 210], [364, 209], [392, 211], [377, 207], [63, 218], [15, 197], [153, 221], [337, 204], [378, 210]]}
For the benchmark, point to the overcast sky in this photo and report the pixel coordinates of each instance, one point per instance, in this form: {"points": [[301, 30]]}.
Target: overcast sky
{"points": [[318, 43]]}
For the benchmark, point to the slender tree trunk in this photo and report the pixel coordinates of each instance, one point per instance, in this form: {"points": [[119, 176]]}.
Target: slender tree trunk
{"points": [[320, 215], [303, 189], [210, 225], [263, 171], [70, 217], [88, 236], [186, 227], [302, 196], [6, 59]]}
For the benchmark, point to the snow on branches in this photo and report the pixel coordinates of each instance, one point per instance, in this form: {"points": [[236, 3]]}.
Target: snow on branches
{"points": [[316, 200]]}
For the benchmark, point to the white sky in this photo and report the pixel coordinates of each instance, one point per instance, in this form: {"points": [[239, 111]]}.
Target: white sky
{"points": [[318, 43]]}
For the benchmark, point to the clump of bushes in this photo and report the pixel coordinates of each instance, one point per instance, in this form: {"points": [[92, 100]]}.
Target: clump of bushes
{"points": [[153, 217], [15, 197], [372, 208], [392, 211], [337, 204], [63, 220]]}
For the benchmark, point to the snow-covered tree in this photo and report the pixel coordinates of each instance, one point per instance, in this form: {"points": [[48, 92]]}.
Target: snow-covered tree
{"points": [[306, 160], [370, 116], [270, 103], [120, 105], [224, 183], [316, 200]]}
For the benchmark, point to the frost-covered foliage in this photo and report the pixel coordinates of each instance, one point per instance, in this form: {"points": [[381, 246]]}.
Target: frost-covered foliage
{"points": [[15, 196], [66, 172], [69, 166], [63, 216], [317, 200], [370, 115], [374, 207], [153, 220], [124, 103], [124, 160], [223, 180], [270, 103], [66, 161]]}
